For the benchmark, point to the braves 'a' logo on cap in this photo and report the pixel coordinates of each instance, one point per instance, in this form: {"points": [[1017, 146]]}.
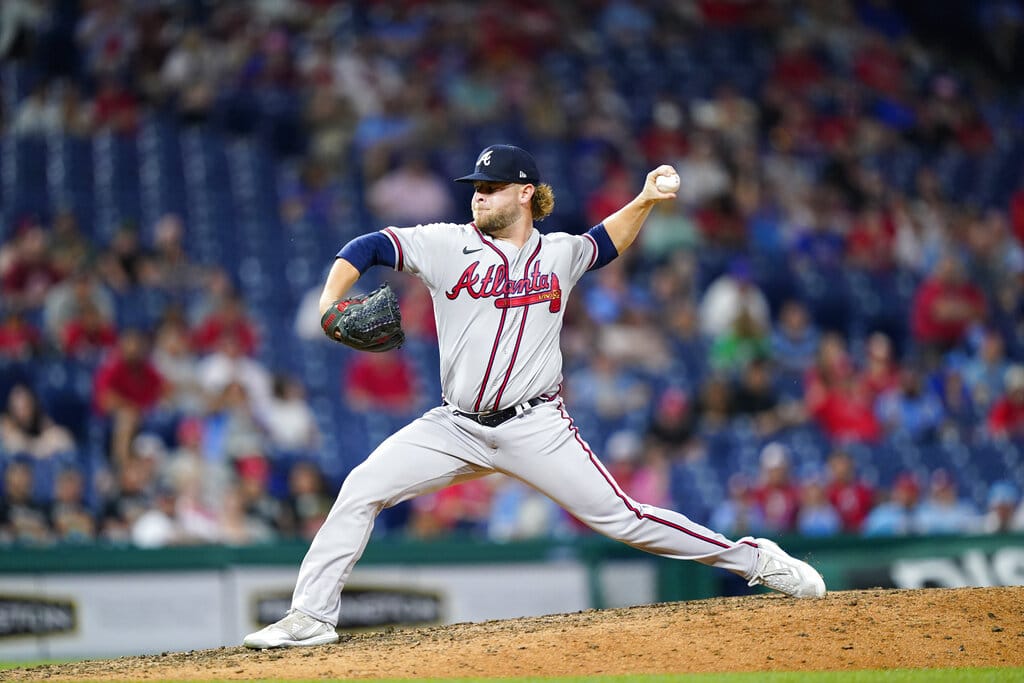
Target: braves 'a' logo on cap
{"points": [[485, 158]]}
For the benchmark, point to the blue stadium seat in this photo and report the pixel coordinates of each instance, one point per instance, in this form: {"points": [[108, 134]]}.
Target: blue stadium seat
{"points": [[64, 387], [26, 177], [827, 299], [694, 489]]}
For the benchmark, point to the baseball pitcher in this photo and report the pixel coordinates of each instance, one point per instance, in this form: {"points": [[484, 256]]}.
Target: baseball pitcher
{"points": [[499, 288]]}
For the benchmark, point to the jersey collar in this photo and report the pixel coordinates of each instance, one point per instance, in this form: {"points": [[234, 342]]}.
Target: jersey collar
{"points": [[505, 245]]}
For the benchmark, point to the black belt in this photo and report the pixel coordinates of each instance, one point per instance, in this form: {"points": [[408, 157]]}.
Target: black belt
{"points": [[496, 417]]}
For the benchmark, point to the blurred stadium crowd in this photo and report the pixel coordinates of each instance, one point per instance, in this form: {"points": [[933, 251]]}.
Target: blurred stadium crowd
{"points": [[822, 336]]}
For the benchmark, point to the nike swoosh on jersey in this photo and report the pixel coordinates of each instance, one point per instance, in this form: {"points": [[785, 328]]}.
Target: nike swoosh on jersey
{"points": [[467, 250]]}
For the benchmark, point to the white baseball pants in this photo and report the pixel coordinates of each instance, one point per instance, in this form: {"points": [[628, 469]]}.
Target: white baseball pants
{"points": [[542, 448]]}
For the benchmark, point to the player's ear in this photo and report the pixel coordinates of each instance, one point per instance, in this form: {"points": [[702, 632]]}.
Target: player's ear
{"points": [[526, 194]]}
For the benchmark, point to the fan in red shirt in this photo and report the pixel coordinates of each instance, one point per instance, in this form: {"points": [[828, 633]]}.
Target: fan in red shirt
{"points": [[881, 371], [1017, 214], [463, 507], [19, 340], [851, 497], [846, 414], [972, 131], [870, 245], [797, 68], [727, 13], [381, 381], [878, 66], [127, 386], [945, 306], [88, 334], [229, 318], [610, 194], [418, 314], [839, 402], [28, 272], [116, 107], [665, 137], [775, 493], [1007, 415]]}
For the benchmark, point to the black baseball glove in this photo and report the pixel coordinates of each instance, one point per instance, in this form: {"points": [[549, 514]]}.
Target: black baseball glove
{"points": [[371, 322]]}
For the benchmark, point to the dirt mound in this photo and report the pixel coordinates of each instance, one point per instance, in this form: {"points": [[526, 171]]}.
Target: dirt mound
{"points": [[845, 630]]}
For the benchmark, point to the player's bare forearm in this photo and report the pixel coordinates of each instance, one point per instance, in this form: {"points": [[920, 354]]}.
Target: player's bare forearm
{"points": [[341, 278], [624, 225]]}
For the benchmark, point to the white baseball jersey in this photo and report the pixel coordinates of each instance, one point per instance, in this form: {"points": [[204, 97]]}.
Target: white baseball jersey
{"points": [[502, 350]]}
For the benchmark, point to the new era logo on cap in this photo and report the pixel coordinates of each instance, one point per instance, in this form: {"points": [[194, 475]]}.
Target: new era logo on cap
{"points": [[504, 164]]}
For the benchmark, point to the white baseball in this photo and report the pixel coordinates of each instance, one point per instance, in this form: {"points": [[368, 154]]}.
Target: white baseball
{"points": [[667, 183]]}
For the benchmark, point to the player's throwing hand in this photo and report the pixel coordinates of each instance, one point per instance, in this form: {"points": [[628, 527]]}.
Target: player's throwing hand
{"points": [[662, 183]]}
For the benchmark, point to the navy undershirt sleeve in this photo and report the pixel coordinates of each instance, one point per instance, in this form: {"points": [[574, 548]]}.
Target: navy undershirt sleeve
{"points": [[374, 249], [606, 251]]}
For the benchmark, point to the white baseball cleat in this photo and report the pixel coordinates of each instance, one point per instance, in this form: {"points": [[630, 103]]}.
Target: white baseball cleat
{"points": [[294, 630], [778, 570]]}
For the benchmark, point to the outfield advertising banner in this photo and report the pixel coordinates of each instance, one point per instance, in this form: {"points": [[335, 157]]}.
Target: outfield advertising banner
{"points": [[108, 614], [973, 567], [364, 608], [26, 615], [418, 594]]}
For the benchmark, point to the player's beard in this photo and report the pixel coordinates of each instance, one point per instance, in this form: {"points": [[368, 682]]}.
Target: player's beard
{"points": [[496, 221]]}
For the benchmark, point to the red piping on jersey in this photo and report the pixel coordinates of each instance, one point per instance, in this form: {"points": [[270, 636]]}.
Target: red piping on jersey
{"points": [[398, 247], [522, 326], [501, 323], [593, 259], [512, 361], [622, 496]]}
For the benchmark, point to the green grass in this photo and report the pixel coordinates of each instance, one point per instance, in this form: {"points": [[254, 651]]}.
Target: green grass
{"points": [[1013, 675], [18, 665]]}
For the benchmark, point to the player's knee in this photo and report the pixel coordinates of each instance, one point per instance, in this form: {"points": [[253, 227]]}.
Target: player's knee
{"points": [[629, 532], [622, 525], [360, 490]]}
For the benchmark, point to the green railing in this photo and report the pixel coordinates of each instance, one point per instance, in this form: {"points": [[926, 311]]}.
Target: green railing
{"points": [[846, 562]]}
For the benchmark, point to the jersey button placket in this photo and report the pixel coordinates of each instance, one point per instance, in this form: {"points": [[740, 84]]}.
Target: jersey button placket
{"points": [[508, 342]]}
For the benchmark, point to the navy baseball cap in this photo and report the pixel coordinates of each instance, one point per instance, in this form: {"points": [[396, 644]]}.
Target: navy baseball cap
{"points": [[504, 164]]}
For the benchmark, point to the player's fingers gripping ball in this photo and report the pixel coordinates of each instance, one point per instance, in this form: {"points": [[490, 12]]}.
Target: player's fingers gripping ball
{"points": [[667, 183], [370, 322]]}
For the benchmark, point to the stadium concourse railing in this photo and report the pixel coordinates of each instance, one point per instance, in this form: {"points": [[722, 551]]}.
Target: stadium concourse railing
{"points": [[845, 562]]}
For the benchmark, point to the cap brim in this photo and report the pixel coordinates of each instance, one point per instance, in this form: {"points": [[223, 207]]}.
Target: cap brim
{"points": [[472, 177], [488, 178]]}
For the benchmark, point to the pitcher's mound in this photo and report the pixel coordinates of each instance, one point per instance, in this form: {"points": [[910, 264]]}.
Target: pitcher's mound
{"points": [[967, 627]]}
